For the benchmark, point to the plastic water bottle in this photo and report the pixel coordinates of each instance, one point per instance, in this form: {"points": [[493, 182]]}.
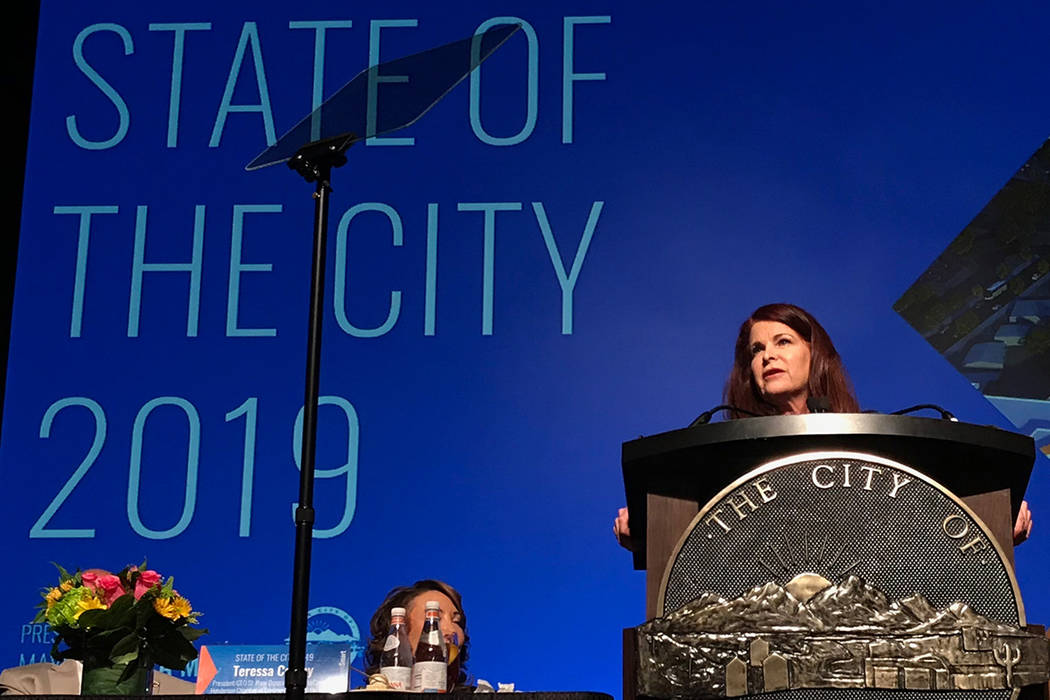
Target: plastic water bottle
{"points": [[430, 670], [396, 661]]}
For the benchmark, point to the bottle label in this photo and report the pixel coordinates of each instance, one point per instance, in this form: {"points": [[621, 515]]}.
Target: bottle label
{"points": [[399, 677], [430, 677], [391, 643]]}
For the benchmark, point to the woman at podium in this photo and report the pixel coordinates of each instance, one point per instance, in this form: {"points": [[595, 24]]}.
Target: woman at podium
{"points": [[783, 359], [785, 363]]}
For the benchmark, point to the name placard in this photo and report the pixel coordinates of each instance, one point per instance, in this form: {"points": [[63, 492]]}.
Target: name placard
{"points": [[260, 668]]}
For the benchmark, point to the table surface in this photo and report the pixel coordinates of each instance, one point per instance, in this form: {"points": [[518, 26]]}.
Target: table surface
{"points": [[370, 694]]}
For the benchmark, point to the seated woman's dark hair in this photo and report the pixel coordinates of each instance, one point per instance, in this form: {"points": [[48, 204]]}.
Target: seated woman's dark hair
{"points": [[827, 376], [402, 597]]}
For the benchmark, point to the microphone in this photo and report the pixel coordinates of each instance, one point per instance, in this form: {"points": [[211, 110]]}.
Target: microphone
{"points": [[945, 415], [818, 404], [705, 417]]}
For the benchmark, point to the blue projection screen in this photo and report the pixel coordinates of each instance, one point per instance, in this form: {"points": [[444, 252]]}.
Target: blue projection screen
{"points": [[552, 261]]}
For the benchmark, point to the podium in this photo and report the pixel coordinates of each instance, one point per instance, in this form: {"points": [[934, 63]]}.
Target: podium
{"points": [[769, 470], [668, 477]]}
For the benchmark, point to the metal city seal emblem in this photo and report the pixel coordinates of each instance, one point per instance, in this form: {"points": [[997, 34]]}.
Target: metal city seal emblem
{"points": [[838, 570]]}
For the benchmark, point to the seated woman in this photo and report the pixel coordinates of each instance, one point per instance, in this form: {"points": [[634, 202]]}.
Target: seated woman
{"points": [[782, 358], [414, 599]]}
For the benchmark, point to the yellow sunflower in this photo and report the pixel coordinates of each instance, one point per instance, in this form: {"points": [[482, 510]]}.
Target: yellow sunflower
{"points": [[52, 597], [165, 608], [88, 603], [181, 606]]}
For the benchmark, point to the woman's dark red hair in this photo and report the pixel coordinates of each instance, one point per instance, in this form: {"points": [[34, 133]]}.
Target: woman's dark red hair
{"points": [[827, 376]]}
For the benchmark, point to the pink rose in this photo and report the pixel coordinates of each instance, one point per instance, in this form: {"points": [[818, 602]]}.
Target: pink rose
{"points": [[109, 588], [106, 586], [146, 580]]}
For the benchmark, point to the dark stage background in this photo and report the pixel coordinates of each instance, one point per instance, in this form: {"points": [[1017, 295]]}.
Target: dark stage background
{"points": [[542, 272]]}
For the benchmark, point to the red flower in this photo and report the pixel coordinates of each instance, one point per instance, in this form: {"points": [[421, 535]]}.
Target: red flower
{"points": [[106, 586], [147, 579]]}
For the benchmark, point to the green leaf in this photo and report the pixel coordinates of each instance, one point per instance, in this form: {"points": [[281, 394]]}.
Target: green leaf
{"points": [[94, 619], [102, 643], [192, 633], [129, 658], [62, 573], [121, 613], [126, 646], [108, 637], [123, 604], [171, 649], [128, 672], [144, 611]]}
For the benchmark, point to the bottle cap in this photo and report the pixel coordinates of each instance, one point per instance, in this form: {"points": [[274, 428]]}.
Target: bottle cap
{"points": [[397, 611], [433, 605]]}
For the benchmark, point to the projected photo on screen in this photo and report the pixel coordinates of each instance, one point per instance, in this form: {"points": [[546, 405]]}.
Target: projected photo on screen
{"points": [[985, 302]]}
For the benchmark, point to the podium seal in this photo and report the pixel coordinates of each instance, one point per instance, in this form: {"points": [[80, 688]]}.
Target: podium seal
{"points": [[832, 572]]}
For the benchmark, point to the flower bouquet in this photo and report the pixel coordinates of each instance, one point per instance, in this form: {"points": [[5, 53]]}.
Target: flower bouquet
{"points": [[119, 626]]}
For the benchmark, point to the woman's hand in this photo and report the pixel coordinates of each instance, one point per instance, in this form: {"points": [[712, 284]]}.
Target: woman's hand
{"points": [[1023, 526], [622, 530]]}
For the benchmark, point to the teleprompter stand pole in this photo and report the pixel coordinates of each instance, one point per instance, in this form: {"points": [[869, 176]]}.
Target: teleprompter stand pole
{"points": [[353, 111], [314, 162]]}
